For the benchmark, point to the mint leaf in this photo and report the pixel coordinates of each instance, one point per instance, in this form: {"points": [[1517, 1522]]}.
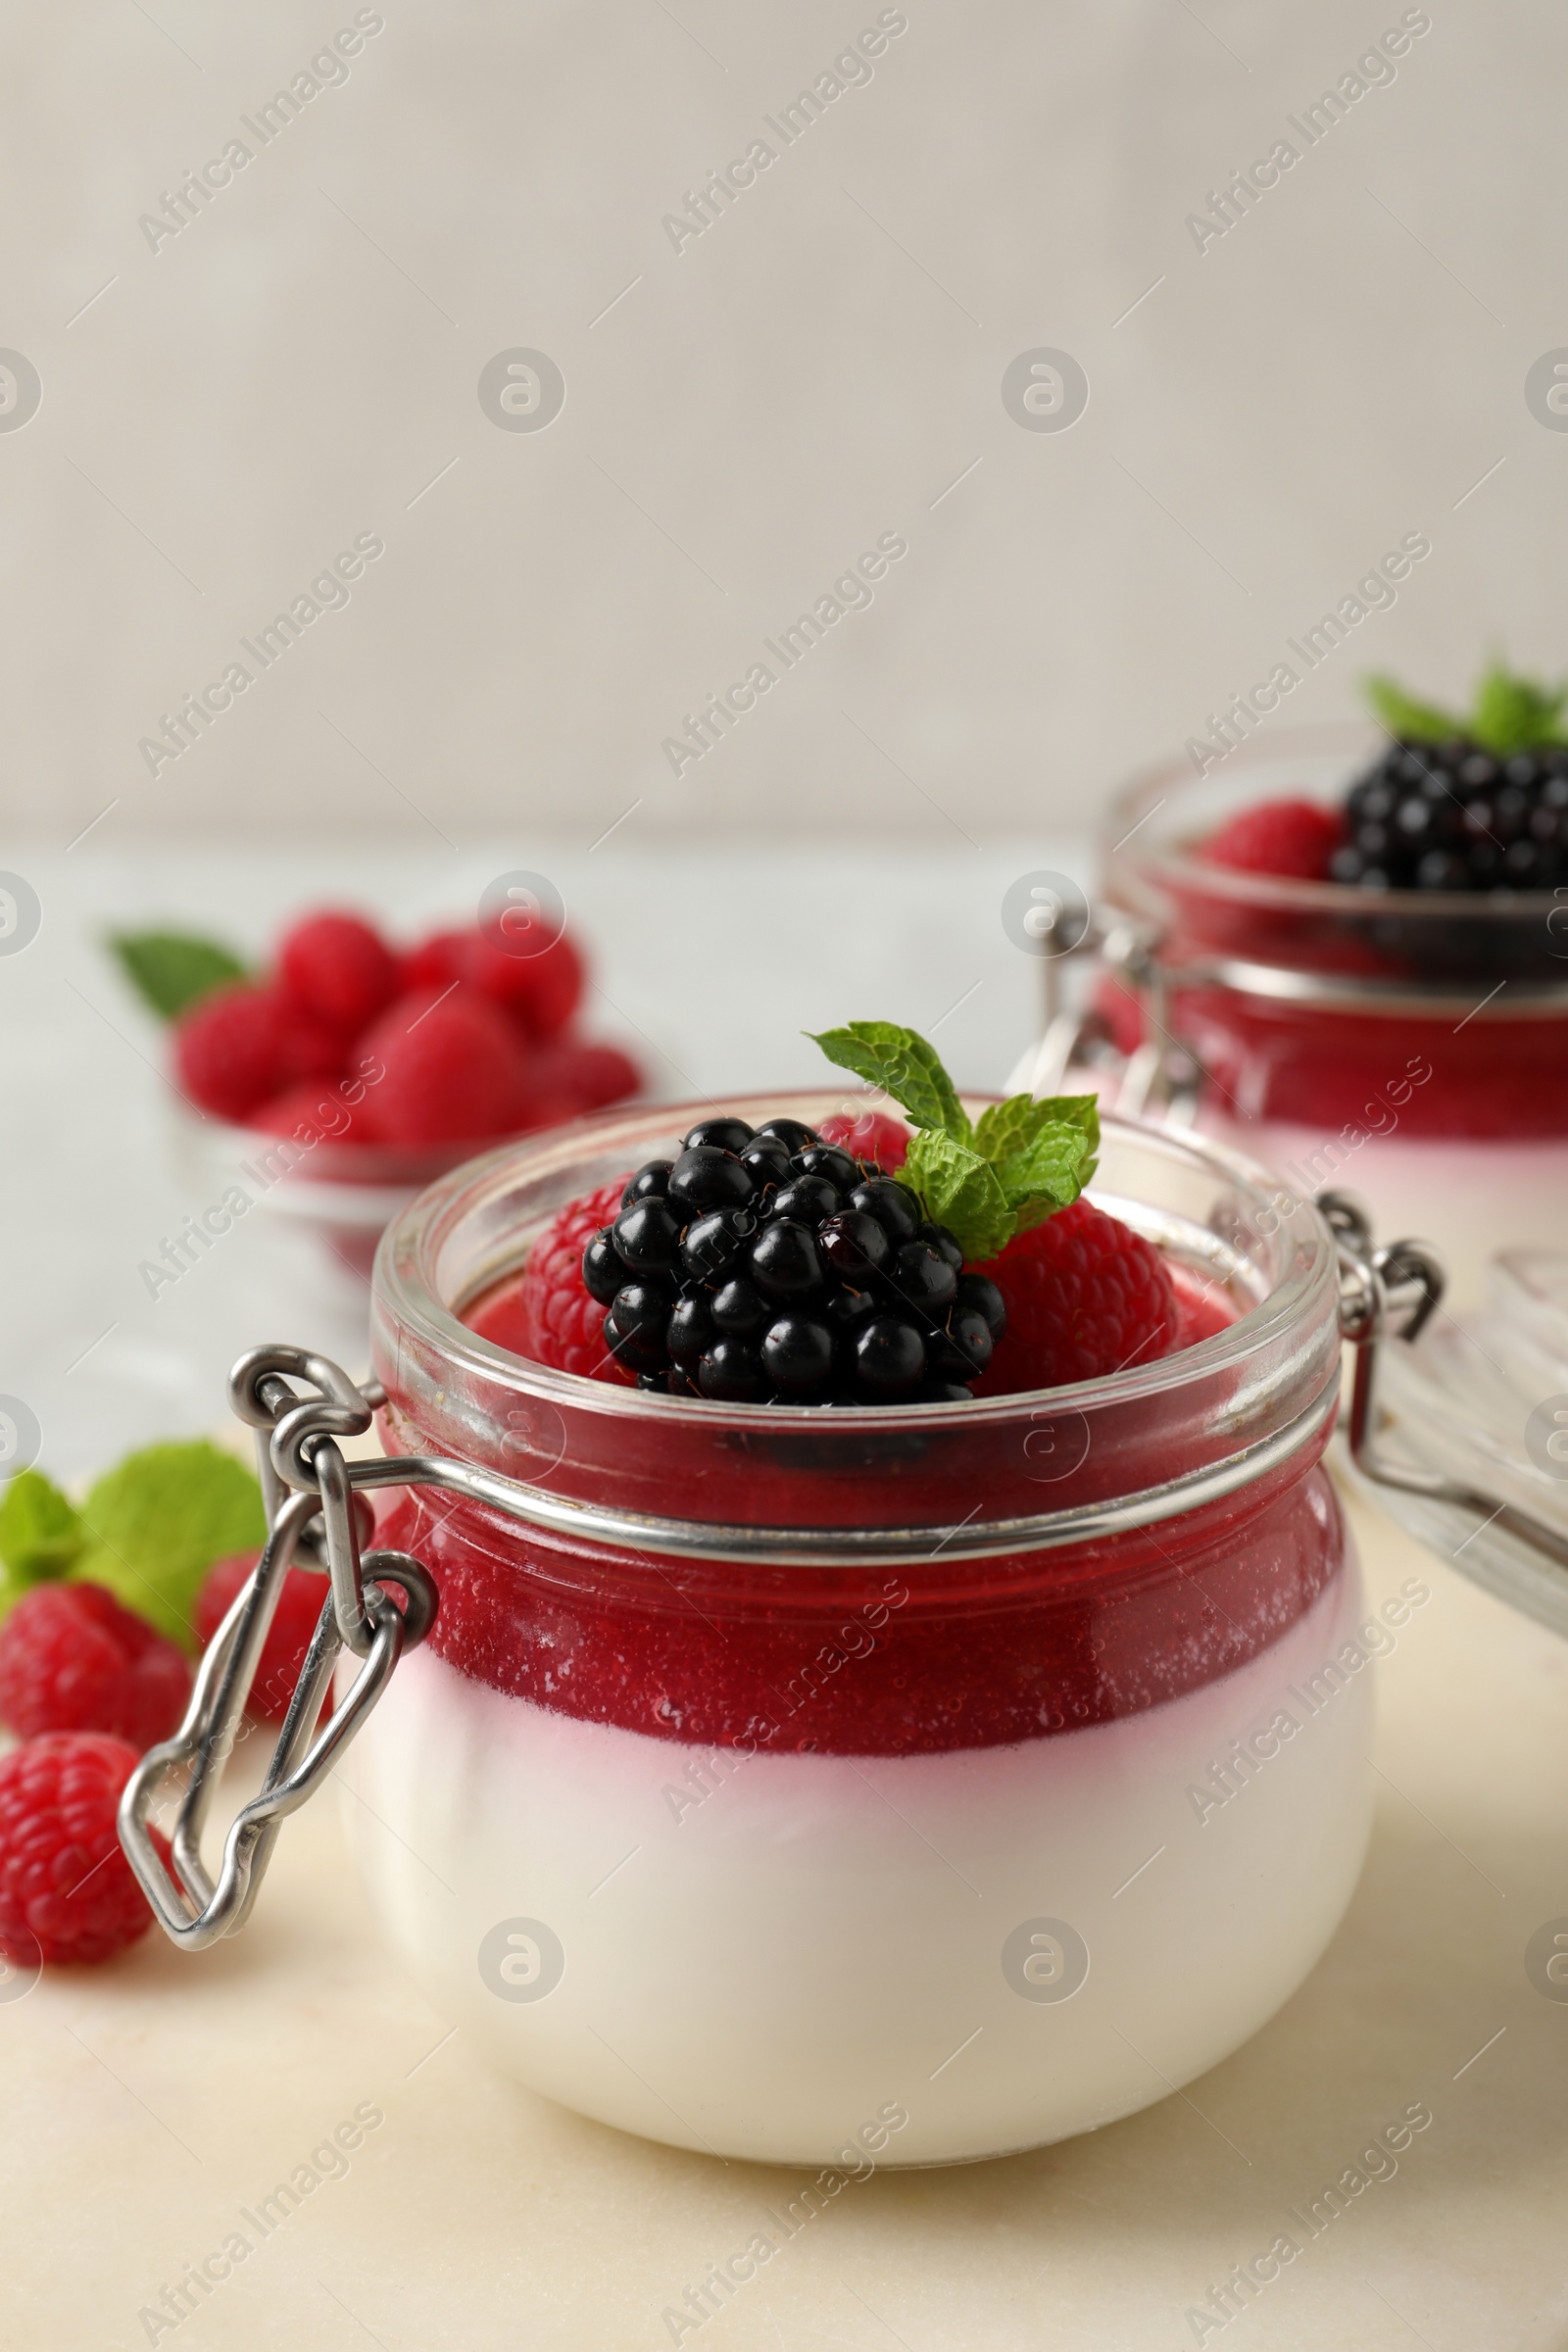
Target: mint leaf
{"points": [[1043, 1153], [170, 970], [1411, 721], [902, 1066], [40, 1535], [1004, 1128], [156, 1523], [1023, 1160], [1007, 1131], [1082, 1109], [1515, 714], [960, 1189], [1054, 1167]]}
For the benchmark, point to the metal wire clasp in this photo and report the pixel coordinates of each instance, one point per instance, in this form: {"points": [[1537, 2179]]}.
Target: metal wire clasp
{"points": [[1161, 1077], [308, 1487]]}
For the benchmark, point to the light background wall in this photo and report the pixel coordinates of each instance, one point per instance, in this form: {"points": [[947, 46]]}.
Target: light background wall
{"points": [[300, 365]]}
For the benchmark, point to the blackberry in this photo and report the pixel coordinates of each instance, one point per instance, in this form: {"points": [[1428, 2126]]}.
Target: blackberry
{"points": [[893, 1207], [790, 1133], [766, 1162], [785, 1261], [1452, 816], [647, 1237], [806, 1198], [712, 1245], [963, 1350], [739, 1309], [923, 1277], [727, 1135], [732, 1373], [829, 1165], [979, 1292], [692, 1329], [649, 1184], [888, 1354], [603, 1271], [706, 1176], [798, 1352], [854, 1245], [767, 1268], [946, 1245], [635, 1324]]}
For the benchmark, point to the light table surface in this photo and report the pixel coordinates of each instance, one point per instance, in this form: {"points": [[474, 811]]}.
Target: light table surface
{"points": [[152, 2104]]}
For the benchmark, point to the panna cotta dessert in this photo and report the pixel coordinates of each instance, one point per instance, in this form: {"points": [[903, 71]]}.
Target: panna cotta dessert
{"points": [[1364, 943], [908, 1697]]}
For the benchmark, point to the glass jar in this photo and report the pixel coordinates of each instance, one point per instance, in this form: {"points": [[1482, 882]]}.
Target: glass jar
{"points": [[1410, 1046], [879, 1784]]}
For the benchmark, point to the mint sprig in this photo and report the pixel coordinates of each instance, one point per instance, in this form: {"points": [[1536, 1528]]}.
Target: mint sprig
{"points": [[1508, 714], [902, 1066], [1043, 1153], [1406, 718], [149, 1530], [40, 1535], [963, 1191], [987, 1181], [156, 1523], [171, 970], [1515, 714]]}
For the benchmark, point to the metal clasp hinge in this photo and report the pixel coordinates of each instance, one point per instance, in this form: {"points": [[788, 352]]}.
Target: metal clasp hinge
{"points": [[308, 1487], [1162, 1077]]}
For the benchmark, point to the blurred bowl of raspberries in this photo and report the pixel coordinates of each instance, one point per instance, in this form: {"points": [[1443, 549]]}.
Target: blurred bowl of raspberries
{"points": [[333, 1083]]}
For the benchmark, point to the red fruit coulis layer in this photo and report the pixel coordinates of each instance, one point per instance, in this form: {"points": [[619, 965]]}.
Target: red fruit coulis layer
{"points": [[886, 1663], [1502, 1081], [940, 1655]]}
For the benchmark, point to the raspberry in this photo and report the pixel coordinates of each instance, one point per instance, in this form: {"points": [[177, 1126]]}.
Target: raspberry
{"points": [[310, 1049], [338, 969], [231, 1049], [568, 1079], [543, 991], [871, 1136], [67, 1891], [454, 1071], [1085, 1295], [1293, 839], [434, 963], [540, 992], [288, 1636], [316, 1104], [545, 1312], [73, 1659]]}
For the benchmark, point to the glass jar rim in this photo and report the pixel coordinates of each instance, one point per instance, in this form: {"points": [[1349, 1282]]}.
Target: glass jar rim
{"points": [[1265, 1374], [1157, 861]]}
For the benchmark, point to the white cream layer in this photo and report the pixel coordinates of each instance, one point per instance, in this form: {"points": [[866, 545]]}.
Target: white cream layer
{"points": [[759, 1969]]}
